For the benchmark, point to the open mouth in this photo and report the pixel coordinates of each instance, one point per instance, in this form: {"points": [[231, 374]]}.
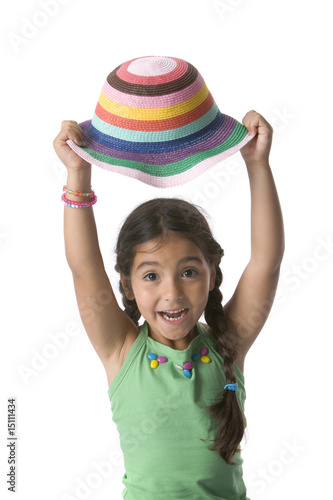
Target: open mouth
{"points": [[175, 315]]}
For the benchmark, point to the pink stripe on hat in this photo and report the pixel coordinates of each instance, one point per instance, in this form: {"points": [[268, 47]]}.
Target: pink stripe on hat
{"points": [[164, 182], [138, 101]]}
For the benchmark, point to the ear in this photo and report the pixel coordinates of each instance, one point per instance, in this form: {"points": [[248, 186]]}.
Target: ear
{"points": [[212, 279], [126, 282]]}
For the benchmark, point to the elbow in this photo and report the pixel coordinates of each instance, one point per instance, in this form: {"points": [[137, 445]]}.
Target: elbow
{"points": [[275, 263], [75, 265], [269, 263], [280, 254], [72, 264], [277, 266], [276, 258], [84, 268]]}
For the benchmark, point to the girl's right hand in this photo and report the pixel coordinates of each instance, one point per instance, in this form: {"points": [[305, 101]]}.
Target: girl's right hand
{"points": [[70, 130]]}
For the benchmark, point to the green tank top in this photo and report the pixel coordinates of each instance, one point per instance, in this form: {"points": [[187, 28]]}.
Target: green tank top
{"points": [[164, 427]]}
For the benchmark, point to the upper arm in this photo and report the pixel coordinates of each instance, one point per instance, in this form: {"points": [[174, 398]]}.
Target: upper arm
{"points": [[106, 324], [247, 310]]}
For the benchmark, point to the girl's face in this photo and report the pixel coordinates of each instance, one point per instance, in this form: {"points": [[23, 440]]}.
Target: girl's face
{"points": [[170, 282]]}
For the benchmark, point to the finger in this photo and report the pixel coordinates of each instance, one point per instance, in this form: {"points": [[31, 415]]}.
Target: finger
{"points": [[71, 134], [253, 121], [64, 123], [71, 130]]}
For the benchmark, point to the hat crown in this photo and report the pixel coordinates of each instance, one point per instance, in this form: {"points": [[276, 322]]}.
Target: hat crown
{"points": [[154, 99], [152, 66]]}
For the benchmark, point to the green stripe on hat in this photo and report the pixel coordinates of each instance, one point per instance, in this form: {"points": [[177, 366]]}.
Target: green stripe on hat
{"points": [[178, 167]]}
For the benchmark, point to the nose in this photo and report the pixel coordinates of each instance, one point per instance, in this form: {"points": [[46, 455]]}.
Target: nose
{"points": [[172, 291]]}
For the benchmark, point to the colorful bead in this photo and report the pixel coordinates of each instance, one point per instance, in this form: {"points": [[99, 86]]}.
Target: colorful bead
{"points": [[78, 193], [186, 369], [202, 355], [188, 366], [155, 360]]}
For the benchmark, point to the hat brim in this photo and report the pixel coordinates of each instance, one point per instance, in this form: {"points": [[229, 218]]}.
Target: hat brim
{"points": [[159, 169]]}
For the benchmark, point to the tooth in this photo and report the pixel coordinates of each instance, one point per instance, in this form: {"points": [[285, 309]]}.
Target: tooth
{"points": [[165, 314]]}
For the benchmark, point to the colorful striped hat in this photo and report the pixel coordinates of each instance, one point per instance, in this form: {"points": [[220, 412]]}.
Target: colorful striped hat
{"points": [[156, 121]]}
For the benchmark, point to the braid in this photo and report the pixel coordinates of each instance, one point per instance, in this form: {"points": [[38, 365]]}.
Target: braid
{"points": [[227, 409], [131, 308]]}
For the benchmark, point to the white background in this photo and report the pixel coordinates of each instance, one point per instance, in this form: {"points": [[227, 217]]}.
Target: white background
{"points": [[273, 57]]}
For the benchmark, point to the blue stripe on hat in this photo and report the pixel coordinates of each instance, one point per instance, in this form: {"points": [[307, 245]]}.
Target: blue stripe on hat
{"points": [[158, 147]]}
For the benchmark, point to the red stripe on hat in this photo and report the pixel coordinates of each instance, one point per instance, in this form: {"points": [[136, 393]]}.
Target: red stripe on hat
{"points": [[156, 125]]}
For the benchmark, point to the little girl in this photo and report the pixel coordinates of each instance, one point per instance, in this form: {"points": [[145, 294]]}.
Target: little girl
{"points": [[176, 385]]}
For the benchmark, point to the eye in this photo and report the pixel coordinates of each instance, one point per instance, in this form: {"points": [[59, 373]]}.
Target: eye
{"points": [[151, 277], [189, 273]]}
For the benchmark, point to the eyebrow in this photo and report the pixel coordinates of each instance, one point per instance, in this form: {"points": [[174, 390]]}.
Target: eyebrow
{"points": [[182, 261]]}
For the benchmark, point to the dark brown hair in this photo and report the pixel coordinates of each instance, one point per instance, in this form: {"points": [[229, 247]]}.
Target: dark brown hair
{"points": [[156, 219]]}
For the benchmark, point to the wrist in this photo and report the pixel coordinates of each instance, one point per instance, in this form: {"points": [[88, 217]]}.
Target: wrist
{"points": [[79, 180], [251, 164]]}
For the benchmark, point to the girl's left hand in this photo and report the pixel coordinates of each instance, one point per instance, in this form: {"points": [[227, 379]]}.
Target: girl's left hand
{"points": [[257, 150]]}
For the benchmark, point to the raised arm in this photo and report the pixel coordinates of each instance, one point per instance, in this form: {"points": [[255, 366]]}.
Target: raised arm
{"points": [[104, 321], [248, 309]]}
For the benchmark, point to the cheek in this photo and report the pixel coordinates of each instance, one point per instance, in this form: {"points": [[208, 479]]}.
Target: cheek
{"points": [[200, 291], [143, 295]]}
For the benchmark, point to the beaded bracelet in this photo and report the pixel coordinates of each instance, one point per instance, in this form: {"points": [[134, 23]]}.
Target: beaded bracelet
{"points": [[78, 204], [78, 193]]}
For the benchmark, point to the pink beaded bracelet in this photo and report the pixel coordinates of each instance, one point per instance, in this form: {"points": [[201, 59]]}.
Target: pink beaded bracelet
{"points": [[78, 193], [78, 204]]}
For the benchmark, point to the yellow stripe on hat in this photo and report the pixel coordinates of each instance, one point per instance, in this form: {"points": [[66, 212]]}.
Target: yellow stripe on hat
{"points": [[153, 113]]}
